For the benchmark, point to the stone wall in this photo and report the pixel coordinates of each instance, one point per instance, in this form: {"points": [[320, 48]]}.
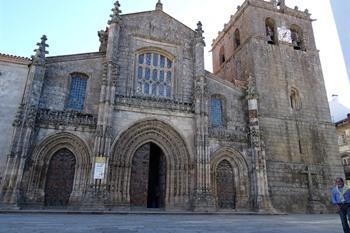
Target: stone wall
{"points": [[234, 132], [12, 83], [156, 30], [298, 136], [57, 80]]}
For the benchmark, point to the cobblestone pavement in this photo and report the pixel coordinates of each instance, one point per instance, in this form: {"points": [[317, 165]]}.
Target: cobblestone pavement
{"points": [[74, 223]]}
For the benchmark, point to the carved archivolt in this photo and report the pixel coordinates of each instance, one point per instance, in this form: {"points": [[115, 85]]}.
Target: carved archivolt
{"points": [[240, 173], [40, 160], [174, 149]]}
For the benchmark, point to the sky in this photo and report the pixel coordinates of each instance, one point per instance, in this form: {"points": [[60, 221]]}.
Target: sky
{"points": [[71, 27], [341, 9]]}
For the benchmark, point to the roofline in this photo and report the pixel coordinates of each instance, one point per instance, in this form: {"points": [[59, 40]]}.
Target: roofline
{"points": [[74, 57], [151, 11], [222, 81], [15, 59], [343, 121]]}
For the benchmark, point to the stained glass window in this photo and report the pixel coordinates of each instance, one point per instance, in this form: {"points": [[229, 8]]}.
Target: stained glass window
{"points": [[154, 75], [161, 78], [139, 72], [162, 61], [77, 92], [148, 73], [216, 112]]}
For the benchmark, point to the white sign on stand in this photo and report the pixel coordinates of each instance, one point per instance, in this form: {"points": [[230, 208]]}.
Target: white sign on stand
{"points": [[100, 168]]}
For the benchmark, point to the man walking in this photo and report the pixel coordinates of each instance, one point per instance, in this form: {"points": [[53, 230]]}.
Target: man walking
{"points": [[341, 199]]}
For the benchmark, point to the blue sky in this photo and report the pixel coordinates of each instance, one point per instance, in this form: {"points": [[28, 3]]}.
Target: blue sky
{"points": [[341, 9], [71, 27]]}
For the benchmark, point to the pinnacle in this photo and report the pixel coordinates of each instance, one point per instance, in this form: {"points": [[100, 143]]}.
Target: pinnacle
{"points": [[116, 13], [40, 52], [159, 5]]}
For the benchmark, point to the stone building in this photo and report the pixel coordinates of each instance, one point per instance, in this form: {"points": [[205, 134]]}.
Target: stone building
{"points": [[142, 124], [343, 132]]}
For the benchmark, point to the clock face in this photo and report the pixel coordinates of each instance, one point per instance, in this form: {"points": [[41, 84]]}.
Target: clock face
{"points": [[284, 34]]}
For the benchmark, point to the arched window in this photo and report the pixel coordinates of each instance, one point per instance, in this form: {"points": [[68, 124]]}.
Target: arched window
{"points": [[77, 91], [154, 74], [297, 37], [216, 111], [270, 31], [237, 40], [222, 55], [295, 101]]}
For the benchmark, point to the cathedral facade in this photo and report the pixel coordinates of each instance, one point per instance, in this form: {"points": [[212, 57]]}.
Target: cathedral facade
{"points": [[141, 124]]}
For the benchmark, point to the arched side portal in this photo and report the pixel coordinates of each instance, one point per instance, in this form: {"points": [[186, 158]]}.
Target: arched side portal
{"points": [[225, 186], [40, 167], [59, 179], [176, 156], [230, 179]]}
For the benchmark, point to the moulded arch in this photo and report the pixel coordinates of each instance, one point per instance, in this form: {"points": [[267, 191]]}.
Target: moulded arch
{"points": [[297, 37], [240, 171], [151, 49], [175, 151], [295, 99], [41, 158]]}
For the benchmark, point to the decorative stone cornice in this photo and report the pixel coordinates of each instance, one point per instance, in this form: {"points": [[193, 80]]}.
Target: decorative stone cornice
{"points": [[66, 118], [154, 103], [230, 135]]}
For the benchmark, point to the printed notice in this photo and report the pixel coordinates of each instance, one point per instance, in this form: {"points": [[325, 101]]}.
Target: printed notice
{"points": [[100, 167]]}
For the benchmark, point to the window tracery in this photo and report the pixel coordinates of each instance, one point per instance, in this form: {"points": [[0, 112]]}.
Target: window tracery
{"points": [[77, 92], [154, 74], [216, 112]]}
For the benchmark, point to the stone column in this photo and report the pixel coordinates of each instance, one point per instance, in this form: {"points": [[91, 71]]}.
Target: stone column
{"points": [[203, 199], [260, 192], [23, 131], [99, 191]]}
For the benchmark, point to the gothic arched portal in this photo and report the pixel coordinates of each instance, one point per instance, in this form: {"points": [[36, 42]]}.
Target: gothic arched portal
{"points": [[148, 177], [59, 156], [59, 178], [230, 179], [125, 159], [225, 185]]}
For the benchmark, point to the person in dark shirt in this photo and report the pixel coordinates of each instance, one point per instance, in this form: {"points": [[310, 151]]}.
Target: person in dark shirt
{"points": [[341, 199]]}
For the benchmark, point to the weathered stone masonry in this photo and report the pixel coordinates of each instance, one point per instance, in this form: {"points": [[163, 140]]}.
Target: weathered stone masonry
{"points": [[141, 124]]}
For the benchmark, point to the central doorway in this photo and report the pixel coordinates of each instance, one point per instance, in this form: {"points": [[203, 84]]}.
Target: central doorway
{"points": [[148, 177]]}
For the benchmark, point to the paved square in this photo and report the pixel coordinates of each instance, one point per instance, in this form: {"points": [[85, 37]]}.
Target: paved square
{"points": [[131, 223]]}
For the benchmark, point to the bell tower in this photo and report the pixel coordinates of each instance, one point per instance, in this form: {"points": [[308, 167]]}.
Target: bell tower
{"points": [[269, 47]]}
